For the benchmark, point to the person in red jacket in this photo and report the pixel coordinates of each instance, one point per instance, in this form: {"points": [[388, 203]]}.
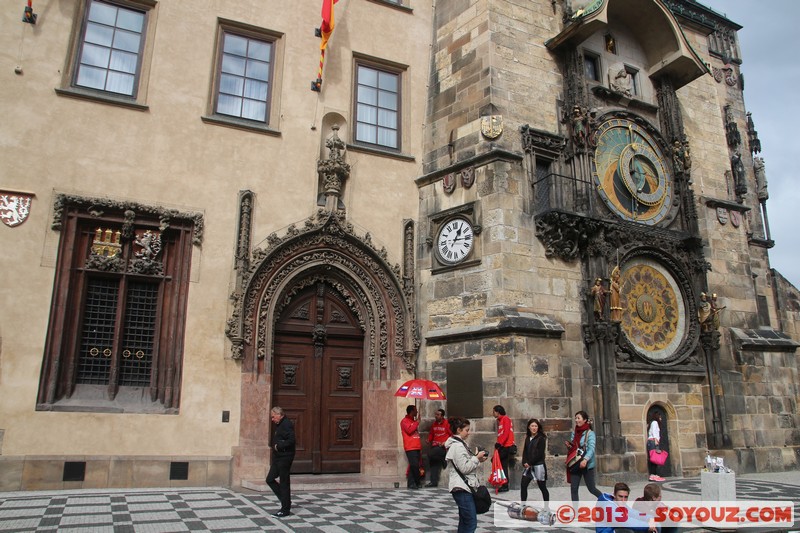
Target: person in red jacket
{"points": [[438, 435], [412, 444], [505, 439]]}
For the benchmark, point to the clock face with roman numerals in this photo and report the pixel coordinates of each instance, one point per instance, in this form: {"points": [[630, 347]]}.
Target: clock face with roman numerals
{"points": [[455, 240]]}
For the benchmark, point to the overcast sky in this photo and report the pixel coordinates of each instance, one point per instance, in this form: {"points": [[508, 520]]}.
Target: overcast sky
{"points": [[769, 43]]}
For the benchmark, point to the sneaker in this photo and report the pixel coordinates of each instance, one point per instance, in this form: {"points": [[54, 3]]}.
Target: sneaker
{"points": [[429, 485], [281, 514], [659, 478], [652, 477]]}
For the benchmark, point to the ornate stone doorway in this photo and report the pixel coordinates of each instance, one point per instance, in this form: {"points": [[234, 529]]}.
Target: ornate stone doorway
{"points": [[338, 367], [318, 380]]}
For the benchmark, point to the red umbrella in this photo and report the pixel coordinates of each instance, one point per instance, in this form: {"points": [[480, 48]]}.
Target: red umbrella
{"points": [[498, 476], [420, 389]]}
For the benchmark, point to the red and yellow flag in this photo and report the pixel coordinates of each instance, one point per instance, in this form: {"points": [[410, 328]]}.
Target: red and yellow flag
{"points": [[326, 28], [325, 31]]}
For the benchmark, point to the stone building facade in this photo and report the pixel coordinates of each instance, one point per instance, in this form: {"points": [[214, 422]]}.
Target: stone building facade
{"points": [[526, 202]]}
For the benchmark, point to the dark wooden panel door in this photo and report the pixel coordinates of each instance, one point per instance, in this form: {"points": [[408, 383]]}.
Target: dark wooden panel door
{"points": [[318, 380]]}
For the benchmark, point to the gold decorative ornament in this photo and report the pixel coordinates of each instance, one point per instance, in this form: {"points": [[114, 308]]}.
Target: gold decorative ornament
{"points": [[492, 126]]}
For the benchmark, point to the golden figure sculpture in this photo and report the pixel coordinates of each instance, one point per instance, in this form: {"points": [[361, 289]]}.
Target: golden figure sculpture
{"points": [[704, 313]]}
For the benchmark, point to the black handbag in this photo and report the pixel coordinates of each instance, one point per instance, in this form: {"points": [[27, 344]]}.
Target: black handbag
{"points": [[483, 500]]}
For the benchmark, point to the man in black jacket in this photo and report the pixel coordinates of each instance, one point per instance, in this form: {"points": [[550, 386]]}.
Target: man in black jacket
{"points": [[283, 443]]}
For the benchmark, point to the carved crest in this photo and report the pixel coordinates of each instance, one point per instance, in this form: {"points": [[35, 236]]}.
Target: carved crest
{"points": [[492, 126], [468, 177], [722, 215], [736, 219], [449, 182], [725, 73], [14, 207]]}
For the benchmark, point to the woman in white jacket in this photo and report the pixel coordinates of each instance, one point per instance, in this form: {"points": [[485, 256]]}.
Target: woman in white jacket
{"points": [[461, 457]]}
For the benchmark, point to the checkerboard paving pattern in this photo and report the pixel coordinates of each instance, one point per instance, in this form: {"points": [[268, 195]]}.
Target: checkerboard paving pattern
{"points": [[222, 510]]}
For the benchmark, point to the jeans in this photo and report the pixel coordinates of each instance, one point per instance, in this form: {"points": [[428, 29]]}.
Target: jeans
{"points": [[467, 515], [575, 482], [279, 469], [414, 460]]}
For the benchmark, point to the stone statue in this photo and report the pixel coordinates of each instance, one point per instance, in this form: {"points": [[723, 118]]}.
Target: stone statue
{"points": [[578, 122], [599, 296], [681, 156], [761, 179], [677, 156], [619, 79], [715, 312], [739, 174], [687, 155], [616, 308]]}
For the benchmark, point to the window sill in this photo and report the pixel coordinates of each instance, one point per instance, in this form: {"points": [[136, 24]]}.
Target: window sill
{"points": [[94, 399], [394, 5], [240, 124], [102, 98], [380, 152]]}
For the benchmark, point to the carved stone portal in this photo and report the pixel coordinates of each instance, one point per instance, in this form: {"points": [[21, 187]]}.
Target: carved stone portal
{"points": [[326, 247]]}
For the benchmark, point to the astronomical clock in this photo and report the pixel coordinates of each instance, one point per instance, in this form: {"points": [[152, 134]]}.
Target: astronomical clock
{"points": [[634, 180], [653, 315], [630, 172]]}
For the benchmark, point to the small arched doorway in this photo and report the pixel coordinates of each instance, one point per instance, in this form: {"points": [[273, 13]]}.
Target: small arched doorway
{"points": [[666, 469], [318, 379]]}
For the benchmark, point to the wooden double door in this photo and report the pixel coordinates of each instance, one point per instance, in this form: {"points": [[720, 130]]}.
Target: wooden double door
{"points": [[318, 380]]}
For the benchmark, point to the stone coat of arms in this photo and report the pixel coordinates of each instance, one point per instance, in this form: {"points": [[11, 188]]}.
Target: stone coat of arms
{"points": [[14, 207]]}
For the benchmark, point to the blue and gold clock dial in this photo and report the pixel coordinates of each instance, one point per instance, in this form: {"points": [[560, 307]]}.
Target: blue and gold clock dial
{"points": [[630, 173]]}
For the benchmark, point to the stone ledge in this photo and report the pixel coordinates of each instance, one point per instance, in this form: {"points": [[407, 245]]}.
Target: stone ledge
{"points": [[508, 322], [763, 339]]}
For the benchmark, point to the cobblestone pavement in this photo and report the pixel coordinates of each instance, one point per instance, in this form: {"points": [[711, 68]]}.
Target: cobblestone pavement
{"points": [[225, 510]]}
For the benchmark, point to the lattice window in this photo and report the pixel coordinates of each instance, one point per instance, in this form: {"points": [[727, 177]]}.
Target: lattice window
{"points": [[140, 329], [120, 276], [97, 338]]}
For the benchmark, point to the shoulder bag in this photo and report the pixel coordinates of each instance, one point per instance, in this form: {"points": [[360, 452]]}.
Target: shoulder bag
{"points": [[483, 500], [580, 452]]}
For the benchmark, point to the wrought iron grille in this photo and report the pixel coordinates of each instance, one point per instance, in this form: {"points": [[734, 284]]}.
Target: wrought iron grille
{"points": [[556, 192], [140, 329], [97, 337]]}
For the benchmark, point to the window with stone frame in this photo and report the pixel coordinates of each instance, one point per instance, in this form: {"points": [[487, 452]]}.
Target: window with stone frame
{"points": [[111, 46], [377, 105], [244, 75], [115, 337], [634, 74], [591, 66]]}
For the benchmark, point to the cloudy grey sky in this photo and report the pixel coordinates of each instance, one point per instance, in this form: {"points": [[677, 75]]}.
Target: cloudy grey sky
{"points": [[769, 44]]}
